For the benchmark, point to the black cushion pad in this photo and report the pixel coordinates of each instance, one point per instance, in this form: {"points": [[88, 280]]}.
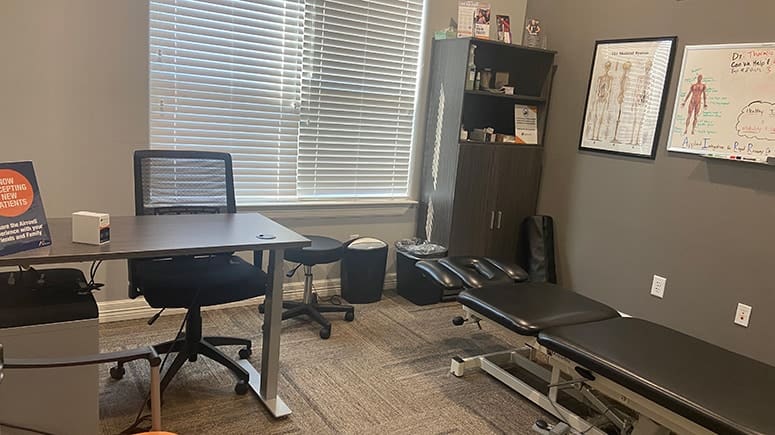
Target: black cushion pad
{"points": [[173, 283], [718, 389], [322, 250], [529, 308], [44, 296]]}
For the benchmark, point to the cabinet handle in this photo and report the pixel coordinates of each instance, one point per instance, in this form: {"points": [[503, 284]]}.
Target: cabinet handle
{"points": [[492, 219], [500, 216]]}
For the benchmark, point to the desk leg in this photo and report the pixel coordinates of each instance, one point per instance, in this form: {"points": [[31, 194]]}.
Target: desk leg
{"points": [[270, 349]]}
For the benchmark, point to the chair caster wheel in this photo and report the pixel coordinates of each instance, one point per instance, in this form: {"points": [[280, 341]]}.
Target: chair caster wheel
{"points": [[261, 308], [245, 353], [325, 332], [241, 388], [349, 316], [117, 372]]}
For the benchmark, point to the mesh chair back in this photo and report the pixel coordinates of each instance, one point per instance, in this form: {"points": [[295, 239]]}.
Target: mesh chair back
{"points": [[180, 182], [183, 182]]}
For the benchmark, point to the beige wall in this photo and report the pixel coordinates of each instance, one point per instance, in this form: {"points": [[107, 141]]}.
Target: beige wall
{"points": [[705, 225], [74, 101], [74, 89]]}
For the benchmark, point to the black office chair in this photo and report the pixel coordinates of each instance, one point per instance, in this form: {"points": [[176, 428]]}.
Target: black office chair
{"points": [[191, 182]]}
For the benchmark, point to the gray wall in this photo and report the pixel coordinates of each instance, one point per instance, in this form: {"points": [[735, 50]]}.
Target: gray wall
{"points": [[705, 225]]}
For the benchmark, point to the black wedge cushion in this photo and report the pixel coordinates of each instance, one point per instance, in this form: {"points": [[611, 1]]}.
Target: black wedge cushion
{"points": [[323, 250], [439, 274], [476, 271], [529, 308], [718, 389], [173, 283]]}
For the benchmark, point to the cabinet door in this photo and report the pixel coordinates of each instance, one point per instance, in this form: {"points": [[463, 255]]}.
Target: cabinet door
{"points": [[517, 176], [473, 209]]}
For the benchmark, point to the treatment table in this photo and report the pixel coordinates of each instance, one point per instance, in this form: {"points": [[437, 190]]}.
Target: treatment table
{"points": [[599, 372]]}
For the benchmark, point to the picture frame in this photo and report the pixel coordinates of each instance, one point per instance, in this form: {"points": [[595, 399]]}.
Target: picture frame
{"points": [[626, 96]]}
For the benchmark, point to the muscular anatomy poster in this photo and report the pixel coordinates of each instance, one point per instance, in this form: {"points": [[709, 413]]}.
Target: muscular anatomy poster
{"points": [[725, 103], [626, 95]]}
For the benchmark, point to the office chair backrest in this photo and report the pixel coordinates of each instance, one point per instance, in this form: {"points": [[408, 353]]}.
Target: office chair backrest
{"points": [[183, 182]]}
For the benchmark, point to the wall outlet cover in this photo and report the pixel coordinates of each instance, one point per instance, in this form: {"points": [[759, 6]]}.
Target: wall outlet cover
{"points": [[743, 315], [658, 286]]}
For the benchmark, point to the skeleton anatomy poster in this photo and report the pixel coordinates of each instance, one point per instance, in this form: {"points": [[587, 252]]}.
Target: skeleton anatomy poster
{"points": [[627, 89], [725, 103]]}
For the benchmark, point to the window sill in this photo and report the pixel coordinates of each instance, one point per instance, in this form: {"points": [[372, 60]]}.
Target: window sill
{"points": [[332, 209]]}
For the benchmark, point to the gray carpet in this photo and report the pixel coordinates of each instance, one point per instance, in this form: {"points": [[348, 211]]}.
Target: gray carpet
{"points": [[386, 372]]}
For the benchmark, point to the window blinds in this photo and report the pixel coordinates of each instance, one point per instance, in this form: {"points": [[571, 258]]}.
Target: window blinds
{"points": [[226, 76], [314, 99], [358, 92]]}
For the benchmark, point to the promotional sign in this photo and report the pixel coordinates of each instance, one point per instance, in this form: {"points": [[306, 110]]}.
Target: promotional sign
{"points": [[22, 218]]}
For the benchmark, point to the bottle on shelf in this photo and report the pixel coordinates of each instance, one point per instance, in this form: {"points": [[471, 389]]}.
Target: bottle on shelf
{"points": [[471, 75]]}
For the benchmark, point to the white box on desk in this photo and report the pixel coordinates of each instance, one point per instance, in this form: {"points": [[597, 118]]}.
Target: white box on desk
{"points": [[91, 228]]}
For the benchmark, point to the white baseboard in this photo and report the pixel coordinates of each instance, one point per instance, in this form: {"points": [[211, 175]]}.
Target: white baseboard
{"points": [[131, 309]]}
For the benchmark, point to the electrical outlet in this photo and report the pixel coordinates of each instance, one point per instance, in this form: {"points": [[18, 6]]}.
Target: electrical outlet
{"points": [[658, 286], [743, 315]]}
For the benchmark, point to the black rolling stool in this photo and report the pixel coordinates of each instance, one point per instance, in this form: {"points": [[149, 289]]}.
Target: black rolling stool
{"points": [[322, 251]]}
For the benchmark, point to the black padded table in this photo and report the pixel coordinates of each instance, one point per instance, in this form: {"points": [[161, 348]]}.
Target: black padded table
{"points": [[718, 389], [539, 306]]}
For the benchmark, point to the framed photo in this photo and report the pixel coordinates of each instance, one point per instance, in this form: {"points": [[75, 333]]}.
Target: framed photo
{"points": [[626, 96]]}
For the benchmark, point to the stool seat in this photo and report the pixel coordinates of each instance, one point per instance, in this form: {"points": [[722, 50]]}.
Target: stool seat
{"points": [[323, 250]]}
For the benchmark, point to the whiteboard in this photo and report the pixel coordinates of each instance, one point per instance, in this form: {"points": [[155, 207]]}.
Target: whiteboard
{"points": [[725, 103]]}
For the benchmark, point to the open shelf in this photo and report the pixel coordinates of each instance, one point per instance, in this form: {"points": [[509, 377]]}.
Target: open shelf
{"points": [[474, 142], [517, 97], [510, 45]]}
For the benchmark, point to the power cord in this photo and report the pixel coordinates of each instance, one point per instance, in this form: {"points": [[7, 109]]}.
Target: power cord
{"points": [[134, 427], [333, 299]]}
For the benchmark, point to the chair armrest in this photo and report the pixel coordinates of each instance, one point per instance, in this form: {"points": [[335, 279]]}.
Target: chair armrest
{"points": [[434, 271], [514, 272]]}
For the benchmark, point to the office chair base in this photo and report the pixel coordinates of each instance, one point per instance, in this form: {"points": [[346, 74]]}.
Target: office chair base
{"points": [[314, 312], [206, 347]]}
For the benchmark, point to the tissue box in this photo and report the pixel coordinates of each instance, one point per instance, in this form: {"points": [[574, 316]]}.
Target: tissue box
{"points": [[91, 228]]}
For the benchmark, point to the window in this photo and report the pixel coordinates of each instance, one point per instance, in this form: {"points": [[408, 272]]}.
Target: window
{"points": [[314, 99]]}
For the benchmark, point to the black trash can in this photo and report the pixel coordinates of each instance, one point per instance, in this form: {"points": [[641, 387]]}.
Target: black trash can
{"points": [[411, 285], [363, 270]]}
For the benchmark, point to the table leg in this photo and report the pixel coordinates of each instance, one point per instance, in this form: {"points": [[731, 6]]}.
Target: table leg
{"points": [[270, 348]]}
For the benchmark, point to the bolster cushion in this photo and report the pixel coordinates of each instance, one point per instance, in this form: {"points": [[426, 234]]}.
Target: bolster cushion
{"points": [[439, 274]]}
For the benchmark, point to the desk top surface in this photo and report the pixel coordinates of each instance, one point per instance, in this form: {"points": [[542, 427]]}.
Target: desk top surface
{"points": [[159, 236]]}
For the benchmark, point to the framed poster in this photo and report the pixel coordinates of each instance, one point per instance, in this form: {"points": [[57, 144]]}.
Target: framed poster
{"points": [[725, 102], [626, 96]]}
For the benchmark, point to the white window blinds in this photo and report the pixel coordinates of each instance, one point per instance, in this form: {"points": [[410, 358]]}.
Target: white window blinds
{"points": [[226, 76], [358, 92], [314, 99]]}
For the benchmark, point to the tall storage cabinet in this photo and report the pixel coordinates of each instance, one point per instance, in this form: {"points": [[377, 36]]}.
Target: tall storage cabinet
{"points": [[475, 194]]}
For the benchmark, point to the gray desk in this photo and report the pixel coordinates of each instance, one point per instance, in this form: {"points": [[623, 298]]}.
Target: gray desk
{"points": [[158, 236]]}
